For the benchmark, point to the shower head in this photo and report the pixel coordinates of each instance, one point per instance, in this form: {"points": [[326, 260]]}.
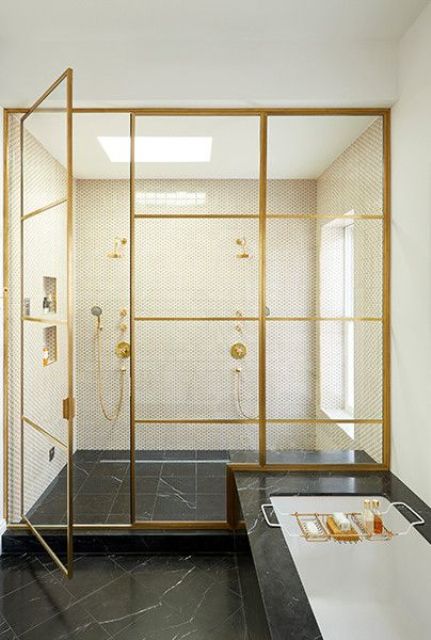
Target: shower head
{"points": [[96, 311]]}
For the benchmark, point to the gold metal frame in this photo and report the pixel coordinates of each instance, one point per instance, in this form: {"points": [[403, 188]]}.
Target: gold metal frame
{"points": [[68, 414], [263, 114]]}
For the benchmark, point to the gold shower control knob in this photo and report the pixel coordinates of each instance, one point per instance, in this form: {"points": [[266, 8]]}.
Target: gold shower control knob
{"points": [[238, 350], [122, 349]]}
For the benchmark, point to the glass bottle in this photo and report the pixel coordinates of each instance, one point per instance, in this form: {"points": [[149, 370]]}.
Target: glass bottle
{"points": [[377, 519]]}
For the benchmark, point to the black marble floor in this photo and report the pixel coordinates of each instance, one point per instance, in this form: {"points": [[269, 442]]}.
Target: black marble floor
{"points": [[170, 485], [122, 597]]}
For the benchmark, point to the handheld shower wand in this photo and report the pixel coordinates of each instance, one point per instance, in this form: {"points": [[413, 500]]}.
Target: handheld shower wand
{"points": [[96, 311]]}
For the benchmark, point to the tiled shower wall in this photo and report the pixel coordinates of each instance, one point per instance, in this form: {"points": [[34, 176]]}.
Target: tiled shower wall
{"points": [[189, 268]]}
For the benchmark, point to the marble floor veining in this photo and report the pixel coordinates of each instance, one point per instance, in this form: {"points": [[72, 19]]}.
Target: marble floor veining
{"points": [[148, 597], [170, 485]]}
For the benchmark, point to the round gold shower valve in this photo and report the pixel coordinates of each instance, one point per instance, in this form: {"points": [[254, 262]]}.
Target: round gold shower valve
{"points": [[122, 349], [238, 350]]}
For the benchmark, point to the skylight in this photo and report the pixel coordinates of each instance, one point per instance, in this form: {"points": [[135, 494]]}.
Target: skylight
{"points": [[158, 148]]}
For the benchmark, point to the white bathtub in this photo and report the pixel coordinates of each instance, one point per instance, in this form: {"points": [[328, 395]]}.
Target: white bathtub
{"points": [[367, 590]]}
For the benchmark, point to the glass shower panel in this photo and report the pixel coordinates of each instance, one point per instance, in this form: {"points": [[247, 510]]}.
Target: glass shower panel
{"points": [[350, 369], [177, 483], [102, 381], [189, 268], [350, 268], [197, 165], [324, 261], [291, 281], [308, 370], [185, 370], [45, 486], [45, 153], [324, 268], [326, 165], [291, 359], [324, 443], [195, 306]]}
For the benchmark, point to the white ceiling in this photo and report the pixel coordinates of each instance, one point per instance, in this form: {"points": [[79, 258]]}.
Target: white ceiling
{"points": [[176, 20], [298, 147], [193, 51]]}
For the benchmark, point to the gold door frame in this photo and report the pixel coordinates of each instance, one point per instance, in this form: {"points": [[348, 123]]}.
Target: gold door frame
{"points": [[68, 403], [262, 217]]}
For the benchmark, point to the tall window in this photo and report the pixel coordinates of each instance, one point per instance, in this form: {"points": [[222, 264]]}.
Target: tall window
{"points": [[349, 328], [337, 339]]}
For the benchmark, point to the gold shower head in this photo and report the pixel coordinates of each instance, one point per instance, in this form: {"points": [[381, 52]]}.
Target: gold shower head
{"points": [[117, 252]]}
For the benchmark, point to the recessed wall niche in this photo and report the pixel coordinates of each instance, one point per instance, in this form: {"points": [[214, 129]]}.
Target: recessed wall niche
{"points": [[50, 294], [49, 350]]}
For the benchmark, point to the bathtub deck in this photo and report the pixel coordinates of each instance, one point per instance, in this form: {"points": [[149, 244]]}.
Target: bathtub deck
{"points": [[286, 605]]}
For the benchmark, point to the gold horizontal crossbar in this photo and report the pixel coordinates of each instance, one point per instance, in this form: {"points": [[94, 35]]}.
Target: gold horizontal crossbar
{"points": [[324, 319], [306, 421], [324, 216], [233, 421], [205, 216], [254, 319], [194, 319], [45, 433], [43, 320], [303, 421], [47, 207], [222, 111], [272, 216]]}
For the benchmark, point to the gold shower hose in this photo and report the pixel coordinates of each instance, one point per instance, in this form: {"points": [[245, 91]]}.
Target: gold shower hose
{"points": [[100, 393], [238, 395]]}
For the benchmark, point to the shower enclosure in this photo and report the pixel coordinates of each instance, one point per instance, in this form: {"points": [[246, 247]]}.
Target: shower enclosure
{"points": [[189, 292]]}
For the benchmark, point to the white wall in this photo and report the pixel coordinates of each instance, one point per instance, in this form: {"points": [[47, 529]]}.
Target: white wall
{"points": [[1, 328], [411, 262], [203, 73]]}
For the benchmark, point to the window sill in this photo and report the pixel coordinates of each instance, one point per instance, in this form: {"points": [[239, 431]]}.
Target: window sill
{"points": [[341, 414]]}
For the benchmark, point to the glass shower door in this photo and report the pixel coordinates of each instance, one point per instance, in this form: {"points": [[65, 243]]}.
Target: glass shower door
{"points": [[47, 409]]}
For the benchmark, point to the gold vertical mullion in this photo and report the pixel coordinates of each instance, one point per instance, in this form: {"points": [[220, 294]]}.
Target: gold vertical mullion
{"points": [[386, 457], [6, 315], [70, 314], [21, 336], [132, 318], [262, 285]]}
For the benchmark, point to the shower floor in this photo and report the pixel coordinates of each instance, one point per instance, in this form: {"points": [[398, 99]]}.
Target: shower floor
{"points": [[170, 485]]}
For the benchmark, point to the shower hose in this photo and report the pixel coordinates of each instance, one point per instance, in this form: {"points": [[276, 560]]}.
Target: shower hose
{"points": [[238, 394], [116, 412]]}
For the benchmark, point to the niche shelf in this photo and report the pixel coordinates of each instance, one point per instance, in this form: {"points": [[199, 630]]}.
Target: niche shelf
{"points": [[50, 292], [50, 343]]}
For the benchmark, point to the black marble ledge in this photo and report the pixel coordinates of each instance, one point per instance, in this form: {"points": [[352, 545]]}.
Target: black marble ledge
{"points": [[288, 612], [16, 542]]}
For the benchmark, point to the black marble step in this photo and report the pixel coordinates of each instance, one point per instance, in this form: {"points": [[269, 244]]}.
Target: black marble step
{"points": [[102, 542]]}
